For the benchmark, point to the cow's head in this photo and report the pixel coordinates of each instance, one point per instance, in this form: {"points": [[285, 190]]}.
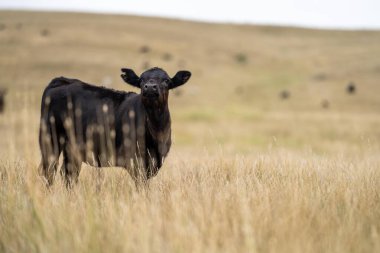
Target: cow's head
{"points": [[155, 83]]}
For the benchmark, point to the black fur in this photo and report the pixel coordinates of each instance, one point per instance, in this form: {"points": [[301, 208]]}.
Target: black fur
{"points": [[105, 127]]}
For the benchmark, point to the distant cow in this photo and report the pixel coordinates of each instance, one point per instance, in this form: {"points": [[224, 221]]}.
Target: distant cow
{"points": [[105, 127], [2, 99], [351, 89], [284, 94]]}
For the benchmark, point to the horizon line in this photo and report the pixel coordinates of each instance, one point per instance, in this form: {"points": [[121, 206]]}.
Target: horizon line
{"points": [[195, 20]]}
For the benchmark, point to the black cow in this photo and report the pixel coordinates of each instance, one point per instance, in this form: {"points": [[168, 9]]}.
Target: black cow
{"points": [[2, 99], [105, 127], [351, 88], [284, 94]]}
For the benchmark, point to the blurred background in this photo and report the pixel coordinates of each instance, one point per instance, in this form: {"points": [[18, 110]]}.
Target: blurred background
{"points": [[300, 75]]}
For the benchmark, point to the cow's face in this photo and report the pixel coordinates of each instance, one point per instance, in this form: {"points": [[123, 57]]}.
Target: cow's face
{"points": [[155, 83]]}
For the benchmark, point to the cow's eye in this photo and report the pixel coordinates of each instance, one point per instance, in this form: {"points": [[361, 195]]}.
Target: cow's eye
{"points": [[166, 81]]}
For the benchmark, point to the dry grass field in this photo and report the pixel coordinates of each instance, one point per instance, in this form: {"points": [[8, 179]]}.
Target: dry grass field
{"points": [[247, 172]]}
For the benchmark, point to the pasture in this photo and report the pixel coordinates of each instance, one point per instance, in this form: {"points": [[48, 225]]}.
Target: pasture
{"points": [[248, 171]]}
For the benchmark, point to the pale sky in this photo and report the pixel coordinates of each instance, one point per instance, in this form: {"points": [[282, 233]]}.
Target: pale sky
{"points": [[349, 14]]}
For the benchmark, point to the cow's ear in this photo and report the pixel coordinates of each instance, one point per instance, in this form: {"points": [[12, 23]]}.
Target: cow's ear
{"points": [[130, 77], [180, 78]]}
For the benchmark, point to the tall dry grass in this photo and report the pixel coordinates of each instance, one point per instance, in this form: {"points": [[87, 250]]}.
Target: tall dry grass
{"points": [[274, 201]]}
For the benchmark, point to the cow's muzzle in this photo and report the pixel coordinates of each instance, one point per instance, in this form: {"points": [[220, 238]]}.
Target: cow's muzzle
{"points": [[150, 90]]}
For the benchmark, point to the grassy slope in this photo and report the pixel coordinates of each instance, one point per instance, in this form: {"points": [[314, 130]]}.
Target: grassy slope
{"points": [[247, 170]]}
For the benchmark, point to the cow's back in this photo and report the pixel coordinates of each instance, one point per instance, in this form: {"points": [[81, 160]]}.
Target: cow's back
{"points": [[64, 96]]}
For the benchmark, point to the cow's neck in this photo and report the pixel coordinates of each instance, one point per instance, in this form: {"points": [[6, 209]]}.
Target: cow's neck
{"points": [[158, 121]]}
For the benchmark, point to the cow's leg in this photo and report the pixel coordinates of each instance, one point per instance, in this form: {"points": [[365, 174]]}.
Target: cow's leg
{"points": [[99, 174], [50, 151], [153, 163], [49, 166], [139, 174], [71, 167]]}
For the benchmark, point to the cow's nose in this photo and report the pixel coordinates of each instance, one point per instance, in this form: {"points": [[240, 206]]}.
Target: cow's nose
{"points": [[150, 87]]}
